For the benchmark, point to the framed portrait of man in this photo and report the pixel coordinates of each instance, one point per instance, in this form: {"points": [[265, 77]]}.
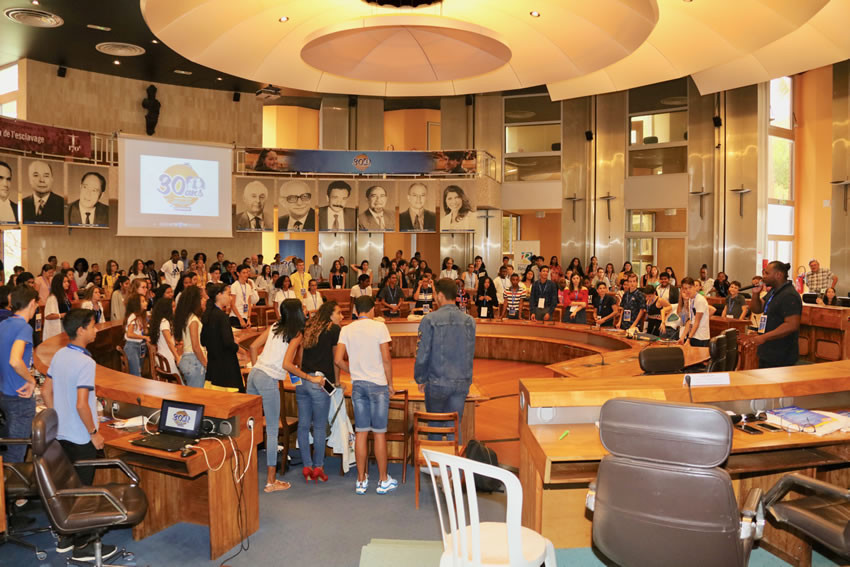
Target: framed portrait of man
{"points": [[88, 196], [43, 190], [376, 212], [296, 205], [9, 177], [337, 205], [417, 206], [457, 206], [254, 207]]}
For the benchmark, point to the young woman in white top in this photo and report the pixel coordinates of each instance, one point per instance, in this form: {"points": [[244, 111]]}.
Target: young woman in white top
{"points": [[81, 272], [448, 271], [187, 325], [56, 306], [363, 268], [265, 282], [118, 299], [161, 332], [470, 281], [266, 374], [313, 300], [91, 300], [134, 332], [284, 292]]}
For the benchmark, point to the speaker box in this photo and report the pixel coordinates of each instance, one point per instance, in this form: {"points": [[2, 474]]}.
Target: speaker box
{"points": [[237, 96], [61, 72]]}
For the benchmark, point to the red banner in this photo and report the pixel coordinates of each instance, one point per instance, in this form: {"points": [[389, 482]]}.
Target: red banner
{"points": [[27, 136]]}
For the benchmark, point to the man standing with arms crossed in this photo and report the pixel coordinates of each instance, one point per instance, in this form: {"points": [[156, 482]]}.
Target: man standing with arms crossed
{"points": [[779, 324], [367, 343], [444, 354]]}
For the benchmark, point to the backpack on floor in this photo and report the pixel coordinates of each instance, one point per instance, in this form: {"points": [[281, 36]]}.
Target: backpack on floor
{"points": [[477, 451]]}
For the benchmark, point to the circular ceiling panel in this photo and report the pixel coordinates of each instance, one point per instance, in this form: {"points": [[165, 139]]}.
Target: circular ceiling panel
{"points": [[405, 53]]}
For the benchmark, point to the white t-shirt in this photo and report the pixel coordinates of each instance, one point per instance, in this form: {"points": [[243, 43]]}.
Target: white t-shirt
{"points": [[450, 274], [52, 327], [357, 291], [699, 304], [363, 339], [188, 347], [171, 272], [501, 285], [312, 302], [280, 296], [162, 345], [242, 294], [131, 322], [271, 359]]}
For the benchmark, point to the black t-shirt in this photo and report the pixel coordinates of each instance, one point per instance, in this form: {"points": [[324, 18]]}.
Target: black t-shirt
{"points": [[320, 357], [604, 306], [783, 303]]}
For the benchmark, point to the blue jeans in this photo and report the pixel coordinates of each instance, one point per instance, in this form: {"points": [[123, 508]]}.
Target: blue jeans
{"points": [[261, 384], [192, 370], [445, 398], [135, 351], [371, 406], [19, 413], [313, 407]]}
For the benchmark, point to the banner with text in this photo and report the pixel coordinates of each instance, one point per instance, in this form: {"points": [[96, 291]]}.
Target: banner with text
{"points": [[30, 137], [450, 162]]}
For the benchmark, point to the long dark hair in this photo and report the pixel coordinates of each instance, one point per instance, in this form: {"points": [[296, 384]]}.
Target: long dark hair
{"points": [[213, 290], [162, 309], [56, 289], [465, 207], [181, 285], [490, 291], [291, 321], [318, 324], [575, 266], [189, 304], [134, 307], [119, 281]]}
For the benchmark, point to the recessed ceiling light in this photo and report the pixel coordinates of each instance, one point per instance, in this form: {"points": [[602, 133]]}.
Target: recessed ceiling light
{"points": [[116, 62], [35, 2], [182, 72], [284, 19], [534, 14], [154, 41], [219, 79], [98, 28]]}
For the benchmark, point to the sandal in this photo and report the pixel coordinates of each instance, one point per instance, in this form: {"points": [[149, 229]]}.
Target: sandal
{"points": [[277, 486]]}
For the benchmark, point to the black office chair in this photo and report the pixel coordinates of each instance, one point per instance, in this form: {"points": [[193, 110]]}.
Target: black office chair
{"points": [[19, 483], [717, 352], [72, 507], [824, 515], [662, 360], [660, 498], [811, 298], [731, 349]]}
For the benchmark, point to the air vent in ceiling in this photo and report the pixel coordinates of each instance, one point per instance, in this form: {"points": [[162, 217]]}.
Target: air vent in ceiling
{"points": [[33, 18], [119, 49]]}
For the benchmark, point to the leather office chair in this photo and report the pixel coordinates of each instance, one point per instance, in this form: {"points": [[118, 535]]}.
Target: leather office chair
{"points": [[660, 498], [662, 360], [19, 483], [731, 349], [72, 507], [823, 515], [717, 352]]}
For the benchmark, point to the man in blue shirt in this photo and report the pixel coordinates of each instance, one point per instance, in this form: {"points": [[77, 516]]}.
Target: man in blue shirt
{"points": [[4, 303], [633, 304], [444, 354], [18, 383], [544, 297]]}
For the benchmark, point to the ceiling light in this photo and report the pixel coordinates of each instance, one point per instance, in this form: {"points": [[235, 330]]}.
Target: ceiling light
{"points": [[98, 28], [154, 41], [182, 72], [284, 19], [34, 18], [116, 62], [219, 79], [534, 14], [35, 2]]}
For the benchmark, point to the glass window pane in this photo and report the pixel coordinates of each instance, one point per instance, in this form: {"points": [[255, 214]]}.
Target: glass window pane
{"points": [[11, 249], [9, 109], [780, 155], [540, 138], [540, 168], [784, 251], [657, 161], [780, 220], [659, 128], [659, 96], [658, 220], [532, 109], [9, 79], [780, 102]]}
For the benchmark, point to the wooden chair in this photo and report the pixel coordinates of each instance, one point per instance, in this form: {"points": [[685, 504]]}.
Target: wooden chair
{"points": [[421, 428], [125, 367], [164, 372], [398, 429], [288, 426]]}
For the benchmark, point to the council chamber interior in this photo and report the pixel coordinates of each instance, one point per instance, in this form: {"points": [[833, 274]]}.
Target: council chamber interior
{"points": [[640, 208]]}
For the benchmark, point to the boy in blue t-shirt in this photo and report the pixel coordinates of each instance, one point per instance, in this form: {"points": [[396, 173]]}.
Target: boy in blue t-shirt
{"points": [[18, 383]]}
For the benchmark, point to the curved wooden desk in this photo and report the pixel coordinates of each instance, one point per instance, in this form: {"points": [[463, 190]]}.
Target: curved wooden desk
{"points": [[178, 489]]}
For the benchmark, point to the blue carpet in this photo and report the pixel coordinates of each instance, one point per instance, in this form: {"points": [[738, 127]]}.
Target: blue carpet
{"points": [[315, 525]]}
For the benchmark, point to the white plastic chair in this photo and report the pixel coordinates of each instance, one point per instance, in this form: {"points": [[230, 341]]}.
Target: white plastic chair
{"points": [[483, 544]]}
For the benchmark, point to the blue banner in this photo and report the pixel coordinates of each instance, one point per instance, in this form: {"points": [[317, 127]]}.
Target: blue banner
{"points": [[460, 162]]}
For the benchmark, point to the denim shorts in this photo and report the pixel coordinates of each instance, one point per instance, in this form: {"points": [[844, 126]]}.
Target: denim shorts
{"points": [[371, 405]]}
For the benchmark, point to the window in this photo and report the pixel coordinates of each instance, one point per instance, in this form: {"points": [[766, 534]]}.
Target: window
{"points": [[510, 232], [9, 109], [9, 91], [780, 171], [11, 249], [660, 128], [532, 138], [657, 161]]}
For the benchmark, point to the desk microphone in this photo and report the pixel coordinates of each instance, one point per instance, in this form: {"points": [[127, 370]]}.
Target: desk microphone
{"points": [[602, 356], [688, 382]]}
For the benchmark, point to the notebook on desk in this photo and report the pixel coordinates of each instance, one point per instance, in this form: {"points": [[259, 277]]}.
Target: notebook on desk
{"points": [[179, 425]]}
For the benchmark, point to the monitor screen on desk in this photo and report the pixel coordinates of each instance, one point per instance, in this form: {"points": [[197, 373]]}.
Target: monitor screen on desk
{"points": [[181, 418]]}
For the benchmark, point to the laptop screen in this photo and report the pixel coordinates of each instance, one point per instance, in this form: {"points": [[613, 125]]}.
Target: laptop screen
{"points": [[181, 418]]}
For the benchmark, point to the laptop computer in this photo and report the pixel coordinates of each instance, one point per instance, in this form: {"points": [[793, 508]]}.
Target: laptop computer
{"points": [[179, 425]]}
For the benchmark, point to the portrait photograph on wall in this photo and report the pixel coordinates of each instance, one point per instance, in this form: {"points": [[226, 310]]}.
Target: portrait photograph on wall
{"points": [[43, 192], [376, 212], [457, 206], [88, 196], [417, 206], [254, 205], [10, 174], [337, 205], [296, 205]]}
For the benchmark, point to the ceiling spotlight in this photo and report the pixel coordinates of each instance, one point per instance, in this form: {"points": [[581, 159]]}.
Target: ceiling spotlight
{"points": [[98, 28], [284, 19], [534, 14], [154, 41], [182, 72], [219, 79], [116, 62], [35, 2]]}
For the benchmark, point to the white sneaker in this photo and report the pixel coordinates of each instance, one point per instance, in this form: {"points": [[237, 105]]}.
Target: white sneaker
{"points": [[360, 487], [387, 485]]}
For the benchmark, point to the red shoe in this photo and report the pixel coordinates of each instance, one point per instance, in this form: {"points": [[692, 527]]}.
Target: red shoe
{"points": [[319, 474], [308, 474]]}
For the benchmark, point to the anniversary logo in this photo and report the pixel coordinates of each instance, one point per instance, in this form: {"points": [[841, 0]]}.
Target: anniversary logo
{"points": [[181, 187]]}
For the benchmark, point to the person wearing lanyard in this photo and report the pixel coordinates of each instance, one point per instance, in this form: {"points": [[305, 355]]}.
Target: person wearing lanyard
{"points": [[632, 302], [696, 330], [362, 288], [313, 300], [513, 296], [300, 279], [502, 282], [389, 297], [575, 300], [779, 324], [241, 290]]}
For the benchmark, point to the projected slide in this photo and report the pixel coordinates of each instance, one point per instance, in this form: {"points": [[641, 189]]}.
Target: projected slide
{"points": [[174, 189]]}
